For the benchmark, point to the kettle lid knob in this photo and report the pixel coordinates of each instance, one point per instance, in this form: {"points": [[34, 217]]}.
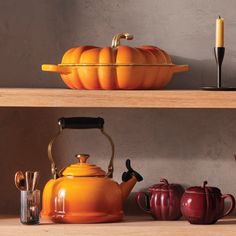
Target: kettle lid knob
{"points": [[82, 157]]}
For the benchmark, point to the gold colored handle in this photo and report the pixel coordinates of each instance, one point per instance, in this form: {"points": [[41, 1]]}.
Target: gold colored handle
{"points": [[54, 171], [56, 69], [111, 163], [180, 68], [116, 39]]}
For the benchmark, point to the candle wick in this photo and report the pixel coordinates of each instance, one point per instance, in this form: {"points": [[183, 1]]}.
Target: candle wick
{"points": [[219, 17]]}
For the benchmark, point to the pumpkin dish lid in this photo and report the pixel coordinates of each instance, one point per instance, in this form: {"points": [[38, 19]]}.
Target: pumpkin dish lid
{"points": [[83, 169], [115, 55], [204, 189], [198, 189], [165, 186]]}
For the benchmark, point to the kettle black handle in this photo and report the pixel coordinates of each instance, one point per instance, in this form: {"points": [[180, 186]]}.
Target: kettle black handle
{"points": [[81, 123]]}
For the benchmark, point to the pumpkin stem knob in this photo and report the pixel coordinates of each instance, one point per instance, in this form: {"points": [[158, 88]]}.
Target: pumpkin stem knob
{"points": [[116, 39], [204, 184], [82, 157], [164, 181]]}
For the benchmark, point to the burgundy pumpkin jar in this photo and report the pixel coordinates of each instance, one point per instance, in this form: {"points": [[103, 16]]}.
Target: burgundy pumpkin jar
{"points": [[205, 205], [162, 200]]}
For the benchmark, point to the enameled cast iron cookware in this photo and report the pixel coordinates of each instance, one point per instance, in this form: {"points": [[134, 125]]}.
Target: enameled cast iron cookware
{"points": [[162, 200], [83, 192], [205, 205], [116, 67]]}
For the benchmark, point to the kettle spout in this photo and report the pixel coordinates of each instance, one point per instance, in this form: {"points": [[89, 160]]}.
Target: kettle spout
{"points": [[129, 178]]}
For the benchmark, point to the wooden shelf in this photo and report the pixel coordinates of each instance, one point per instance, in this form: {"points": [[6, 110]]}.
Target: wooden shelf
{"points": [[11, 97], [134, 226]]}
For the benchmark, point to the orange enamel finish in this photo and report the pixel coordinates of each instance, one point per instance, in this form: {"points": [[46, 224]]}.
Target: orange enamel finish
{"points": [[72, 56], [83, 169], [84, 195], [82, 200], [123, 67]]}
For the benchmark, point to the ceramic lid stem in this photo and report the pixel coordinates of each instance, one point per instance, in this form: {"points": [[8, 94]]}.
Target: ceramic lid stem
{"points": [[164, 181]]}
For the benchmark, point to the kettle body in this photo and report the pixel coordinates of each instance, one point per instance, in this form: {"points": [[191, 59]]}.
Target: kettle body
{"points": [[82, 200]]}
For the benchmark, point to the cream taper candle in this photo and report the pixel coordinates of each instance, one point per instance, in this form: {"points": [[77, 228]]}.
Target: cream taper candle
{"points": [[220, 32]]}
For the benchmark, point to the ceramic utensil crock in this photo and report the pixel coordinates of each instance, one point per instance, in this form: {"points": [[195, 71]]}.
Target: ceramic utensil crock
{"points": [[83, 192], [205, 205], [162, 200]]}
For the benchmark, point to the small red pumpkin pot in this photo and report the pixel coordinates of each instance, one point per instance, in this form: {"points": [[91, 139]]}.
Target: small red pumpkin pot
{"points": [[162, 200], [205, 205]]}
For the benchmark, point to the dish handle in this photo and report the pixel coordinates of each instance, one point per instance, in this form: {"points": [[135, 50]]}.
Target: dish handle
{"points": [[55, 68], [180, 68]]}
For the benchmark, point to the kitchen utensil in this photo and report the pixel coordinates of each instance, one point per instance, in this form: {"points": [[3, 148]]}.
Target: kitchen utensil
{"points": [[83, 192], [35, 180], [205, 205], [162, 200], [29, 175], [116, 67], [20, 180]]}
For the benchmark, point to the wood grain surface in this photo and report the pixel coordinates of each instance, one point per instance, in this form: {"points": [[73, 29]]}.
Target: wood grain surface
{"points": [[10, 97], [132, 226]]}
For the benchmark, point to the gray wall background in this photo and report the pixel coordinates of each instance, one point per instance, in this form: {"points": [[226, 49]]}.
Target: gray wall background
{"points": [[185, 146]]}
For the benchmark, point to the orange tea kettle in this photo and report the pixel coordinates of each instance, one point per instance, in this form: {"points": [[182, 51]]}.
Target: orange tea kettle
{"points": [[83, 192]]}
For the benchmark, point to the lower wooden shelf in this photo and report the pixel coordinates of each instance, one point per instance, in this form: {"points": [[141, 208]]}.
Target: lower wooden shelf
{"points": [[135, 225]]}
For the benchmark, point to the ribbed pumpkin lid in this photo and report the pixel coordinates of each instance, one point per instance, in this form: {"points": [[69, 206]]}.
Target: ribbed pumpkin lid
{"points": [[165, 186], [83, 169], [203, 190]]}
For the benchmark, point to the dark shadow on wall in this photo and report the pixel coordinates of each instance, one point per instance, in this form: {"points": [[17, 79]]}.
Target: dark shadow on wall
{"points": [[203, 72]]}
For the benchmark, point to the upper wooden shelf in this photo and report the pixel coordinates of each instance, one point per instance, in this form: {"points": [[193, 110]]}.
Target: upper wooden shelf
{"points": [[18, 97]]}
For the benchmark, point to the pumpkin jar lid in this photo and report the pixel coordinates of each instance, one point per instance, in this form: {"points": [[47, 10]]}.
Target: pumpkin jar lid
{"points": [[165, 186], [83, 169], [203, 190]]}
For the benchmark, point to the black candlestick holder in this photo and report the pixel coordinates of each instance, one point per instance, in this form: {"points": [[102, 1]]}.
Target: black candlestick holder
{"points": [[219, 56]]}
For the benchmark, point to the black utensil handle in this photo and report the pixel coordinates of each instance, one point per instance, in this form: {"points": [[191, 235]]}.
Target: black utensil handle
{"points": [[81, 123]]}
